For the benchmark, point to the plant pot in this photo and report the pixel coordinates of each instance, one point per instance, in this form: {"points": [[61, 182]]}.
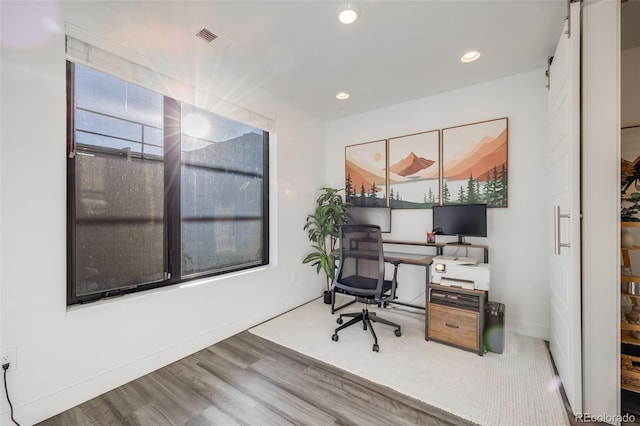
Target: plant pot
{"points": [[327, 297]]}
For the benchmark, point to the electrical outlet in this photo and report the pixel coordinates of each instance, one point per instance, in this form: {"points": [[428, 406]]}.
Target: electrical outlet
{"points": [[9, 356]]}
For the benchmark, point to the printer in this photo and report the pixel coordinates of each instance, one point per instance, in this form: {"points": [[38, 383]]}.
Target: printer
{"points": [[460, 272]]}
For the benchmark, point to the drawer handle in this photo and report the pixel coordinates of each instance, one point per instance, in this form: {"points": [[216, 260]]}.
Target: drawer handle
{"points": [[635, 363], [451, 325]]}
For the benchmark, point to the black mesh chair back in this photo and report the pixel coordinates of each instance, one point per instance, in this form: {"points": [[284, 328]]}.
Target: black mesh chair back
{"points": [[361, 273], [361, 267]]}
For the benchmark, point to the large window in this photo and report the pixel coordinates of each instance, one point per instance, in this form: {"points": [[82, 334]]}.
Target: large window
{"points": [[159, 191]]}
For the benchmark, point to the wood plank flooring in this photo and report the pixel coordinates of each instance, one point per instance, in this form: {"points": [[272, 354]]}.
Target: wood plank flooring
{"points": [[247, 380]]}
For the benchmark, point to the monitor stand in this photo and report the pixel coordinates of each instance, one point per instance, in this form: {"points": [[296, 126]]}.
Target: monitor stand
{"points": [[460, 241]]}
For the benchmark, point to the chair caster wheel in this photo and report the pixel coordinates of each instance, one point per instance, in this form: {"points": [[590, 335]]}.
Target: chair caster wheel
{"points": [[339, 320], [376, 348], [334, 337], [398, 333]]}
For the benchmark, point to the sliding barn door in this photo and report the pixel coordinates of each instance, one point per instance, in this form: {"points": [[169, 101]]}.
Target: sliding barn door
{"points": [[564, 205]]}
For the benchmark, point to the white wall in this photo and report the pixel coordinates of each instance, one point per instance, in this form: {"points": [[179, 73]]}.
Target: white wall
{"points": [[65, 357], [518, 234]]}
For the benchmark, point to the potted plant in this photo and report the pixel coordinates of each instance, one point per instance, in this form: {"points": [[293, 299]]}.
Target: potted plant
{"points": [[322, 229]]}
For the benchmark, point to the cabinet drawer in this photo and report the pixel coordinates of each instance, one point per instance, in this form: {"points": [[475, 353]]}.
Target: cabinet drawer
{"points": [[452, 325]]}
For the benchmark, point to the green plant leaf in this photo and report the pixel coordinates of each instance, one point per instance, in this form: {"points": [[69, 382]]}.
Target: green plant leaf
{"points": [[322, 229], [311, 257]]}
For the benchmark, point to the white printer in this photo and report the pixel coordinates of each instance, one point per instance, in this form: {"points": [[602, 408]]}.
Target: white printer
{"points": [[461, 272]]}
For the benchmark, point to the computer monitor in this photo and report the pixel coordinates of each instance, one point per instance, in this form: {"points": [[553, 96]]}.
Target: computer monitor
{"points": [[380, 216], [461, 220]]}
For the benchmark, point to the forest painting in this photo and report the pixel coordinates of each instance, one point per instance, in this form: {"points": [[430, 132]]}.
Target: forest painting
{"points": [[414, 171], [474, 163], [365, 174]]}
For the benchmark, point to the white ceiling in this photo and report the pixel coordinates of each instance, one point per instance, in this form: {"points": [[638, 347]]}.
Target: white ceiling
{"points": [[298, 51]]}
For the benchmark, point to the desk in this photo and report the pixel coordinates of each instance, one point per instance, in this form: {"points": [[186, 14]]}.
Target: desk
{"points": [[423, 259], [440, 246], [412, 259], [419, 260]]}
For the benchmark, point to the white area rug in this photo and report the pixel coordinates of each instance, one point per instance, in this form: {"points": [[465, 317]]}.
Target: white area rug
{"points": [[517, 387]]}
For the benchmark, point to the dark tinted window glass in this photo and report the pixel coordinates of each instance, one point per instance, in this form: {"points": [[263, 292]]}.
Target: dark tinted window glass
{"points": [[221, 192], [119, 201], [159, 192]]}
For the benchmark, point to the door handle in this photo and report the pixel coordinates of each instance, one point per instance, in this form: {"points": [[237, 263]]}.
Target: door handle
{"points": [[556, 222]]}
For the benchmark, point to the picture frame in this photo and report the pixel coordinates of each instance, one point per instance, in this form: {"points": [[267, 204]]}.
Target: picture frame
{"points": [[475, 163], [366, 174], [414, 170]]}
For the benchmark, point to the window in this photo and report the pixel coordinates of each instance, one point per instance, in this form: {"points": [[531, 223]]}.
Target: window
{"points": [[159, 191]]}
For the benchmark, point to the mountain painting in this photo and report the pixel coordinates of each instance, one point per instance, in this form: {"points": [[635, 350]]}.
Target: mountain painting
{"points": [[414, 171], [366, 174], [474, 163]]}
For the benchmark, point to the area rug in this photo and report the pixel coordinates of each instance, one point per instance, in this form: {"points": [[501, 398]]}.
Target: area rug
{"points": [[517, 387]]}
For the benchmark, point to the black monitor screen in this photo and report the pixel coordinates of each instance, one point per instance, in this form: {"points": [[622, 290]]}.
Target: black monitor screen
{"points": [[380, 216], [461, 220]]}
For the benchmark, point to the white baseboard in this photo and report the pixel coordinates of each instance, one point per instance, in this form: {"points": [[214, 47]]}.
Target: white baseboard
{"points": [[528, 329], [64, 399]]}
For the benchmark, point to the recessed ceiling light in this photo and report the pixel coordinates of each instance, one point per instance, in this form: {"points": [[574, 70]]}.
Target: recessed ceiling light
{"points": [[348, 14], [342, 96], [470, 56]]}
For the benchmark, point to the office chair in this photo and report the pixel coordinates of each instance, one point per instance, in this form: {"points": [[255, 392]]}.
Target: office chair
{"points": [[361, 274]]}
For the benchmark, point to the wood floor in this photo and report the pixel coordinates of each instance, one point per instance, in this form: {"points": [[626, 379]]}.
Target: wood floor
{"points": [[246, 380]]}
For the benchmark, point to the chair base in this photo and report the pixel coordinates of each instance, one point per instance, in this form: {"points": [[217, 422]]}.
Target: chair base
{"points": [[367, 318]]}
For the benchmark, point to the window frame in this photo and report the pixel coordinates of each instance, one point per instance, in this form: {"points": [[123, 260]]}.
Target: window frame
{"points": [[172, 256]]}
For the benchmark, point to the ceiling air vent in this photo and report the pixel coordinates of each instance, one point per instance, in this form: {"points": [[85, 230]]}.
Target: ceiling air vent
{"points": [[206, 35]]}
